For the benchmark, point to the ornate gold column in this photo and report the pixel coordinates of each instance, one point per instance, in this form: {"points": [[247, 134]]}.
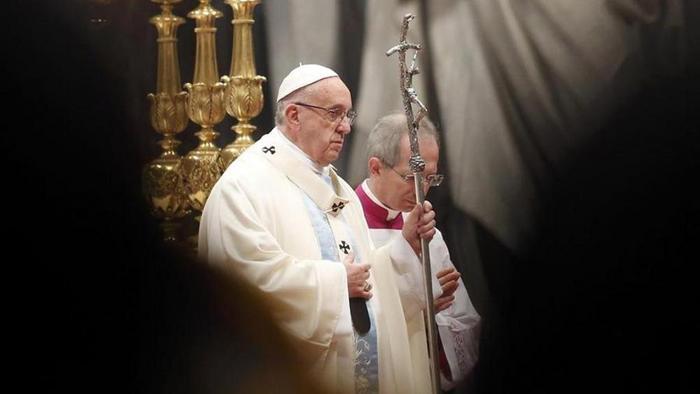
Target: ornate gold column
{"points": [[202, 166], [162, 178], [244, 97]]}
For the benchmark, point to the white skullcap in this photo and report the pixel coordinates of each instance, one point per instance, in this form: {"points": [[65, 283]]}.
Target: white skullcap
{"points": [[301, 76]]}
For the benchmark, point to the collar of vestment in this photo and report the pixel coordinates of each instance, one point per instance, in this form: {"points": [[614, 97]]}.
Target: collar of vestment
{"points": [[303, 172], [378, 215], [300, 154]]}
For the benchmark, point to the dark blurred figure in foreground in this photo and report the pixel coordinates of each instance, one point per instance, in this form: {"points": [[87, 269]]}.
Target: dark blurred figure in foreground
{"points": [[605, 299], [103, 306]]}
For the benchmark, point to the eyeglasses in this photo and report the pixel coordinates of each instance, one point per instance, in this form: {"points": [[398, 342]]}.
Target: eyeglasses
{"points": [[332, 114], [430, 180]]}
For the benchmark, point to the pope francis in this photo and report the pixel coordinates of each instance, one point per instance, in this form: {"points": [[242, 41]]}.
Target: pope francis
{"points": [[281, 217]]}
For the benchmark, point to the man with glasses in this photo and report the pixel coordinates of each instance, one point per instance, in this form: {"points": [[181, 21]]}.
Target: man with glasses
{"points": [[386, 197], [281, 217]]}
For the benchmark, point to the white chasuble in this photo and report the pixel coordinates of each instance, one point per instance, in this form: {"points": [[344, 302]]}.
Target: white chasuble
{"points": [[258, 223]]}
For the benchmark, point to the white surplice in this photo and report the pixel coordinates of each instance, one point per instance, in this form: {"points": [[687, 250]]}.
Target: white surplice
{"points": [[256, 224], [459, 325]]}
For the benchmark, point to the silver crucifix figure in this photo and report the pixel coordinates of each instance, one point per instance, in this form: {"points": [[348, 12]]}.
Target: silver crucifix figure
{"points": [[417, 165]]}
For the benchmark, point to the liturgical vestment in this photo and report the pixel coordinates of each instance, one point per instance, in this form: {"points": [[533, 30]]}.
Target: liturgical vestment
{"points": [[460, 324], [257, 224]]}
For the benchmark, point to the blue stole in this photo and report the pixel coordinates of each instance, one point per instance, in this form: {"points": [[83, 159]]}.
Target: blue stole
{"points": [[366, 357]]}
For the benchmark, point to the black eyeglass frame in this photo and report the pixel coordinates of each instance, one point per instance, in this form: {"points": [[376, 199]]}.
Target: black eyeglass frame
{"points": [[350, 114]]}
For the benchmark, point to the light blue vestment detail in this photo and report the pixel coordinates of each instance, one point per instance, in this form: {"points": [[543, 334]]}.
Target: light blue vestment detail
{"points": [[366, 358]]}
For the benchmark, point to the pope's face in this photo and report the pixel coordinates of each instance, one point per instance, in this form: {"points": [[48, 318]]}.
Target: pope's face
{"points": [[389, 186], [319, 136]]}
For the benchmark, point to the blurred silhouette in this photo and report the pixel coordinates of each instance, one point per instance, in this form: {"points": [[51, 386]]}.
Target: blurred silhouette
{"points": [[604, 300]]}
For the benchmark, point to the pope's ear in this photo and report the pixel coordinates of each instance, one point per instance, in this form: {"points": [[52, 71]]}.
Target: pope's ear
{"points": [[291, 114], [374, 164]]}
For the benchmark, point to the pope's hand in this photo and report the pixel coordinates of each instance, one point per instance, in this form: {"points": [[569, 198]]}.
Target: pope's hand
{"points": [[358, 287]]}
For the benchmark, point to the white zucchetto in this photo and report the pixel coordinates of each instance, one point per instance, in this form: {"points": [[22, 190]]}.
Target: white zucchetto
{"points": [[301, 76]]}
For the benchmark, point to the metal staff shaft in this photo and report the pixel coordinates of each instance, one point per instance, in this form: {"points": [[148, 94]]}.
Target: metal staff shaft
{"points": [[417, 165]]}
